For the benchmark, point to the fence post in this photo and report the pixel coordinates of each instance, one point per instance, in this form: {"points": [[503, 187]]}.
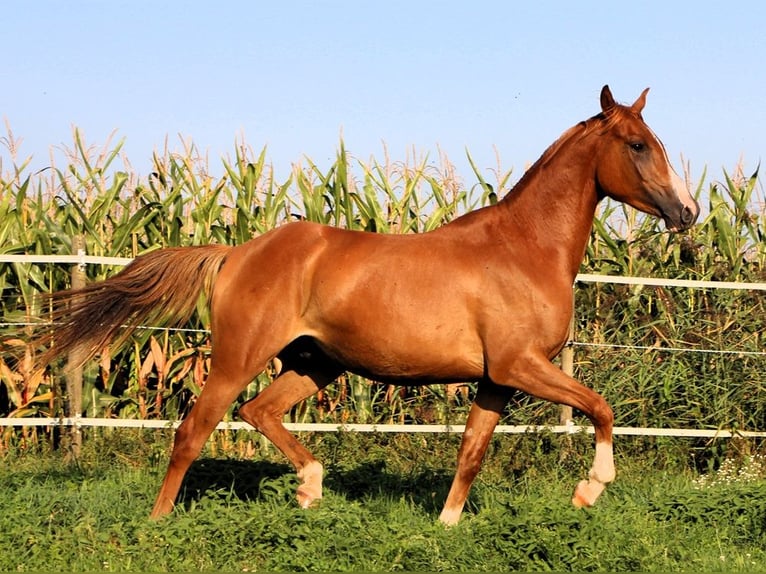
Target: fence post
{"points": [[74, 369], [567, 365]]}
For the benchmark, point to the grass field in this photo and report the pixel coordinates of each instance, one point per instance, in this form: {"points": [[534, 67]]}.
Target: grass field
{"points": [[382, 498]]}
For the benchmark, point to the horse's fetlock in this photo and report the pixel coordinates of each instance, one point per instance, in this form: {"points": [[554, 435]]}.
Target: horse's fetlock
{"points": [[602, 476], [311, 471]]}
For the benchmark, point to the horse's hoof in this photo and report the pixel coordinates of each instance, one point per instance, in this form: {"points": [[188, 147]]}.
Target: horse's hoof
{"points": [[306, 499], [579, 502], [586, 493]]}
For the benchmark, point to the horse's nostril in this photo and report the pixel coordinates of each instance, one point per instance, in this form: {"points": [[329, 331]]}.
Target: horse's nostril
{"points": [[687, 216]]}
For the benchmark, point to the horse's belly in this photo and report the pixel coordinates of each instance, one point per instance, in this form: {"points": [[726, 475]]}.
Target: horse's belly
{"points": [[407, 354]]}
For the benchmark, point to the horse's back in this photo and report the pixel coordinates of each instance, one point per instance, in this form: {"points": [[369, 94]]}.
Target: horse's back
{"points": [[393, 306]]}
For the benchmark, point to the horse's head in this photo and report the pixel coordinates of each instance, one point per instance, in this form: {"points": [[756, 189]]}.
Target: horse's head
{"points": [[633, 166]]}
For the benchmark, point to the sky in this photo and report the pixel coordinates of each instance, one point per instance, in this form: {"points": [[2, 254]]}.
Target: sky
{"points": [[500, 79]]}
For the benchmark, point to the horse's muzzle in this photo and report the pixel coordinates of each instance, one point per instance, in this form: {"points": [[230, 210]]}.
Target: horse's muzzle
{"points": [[685, 219], [689, 215]]}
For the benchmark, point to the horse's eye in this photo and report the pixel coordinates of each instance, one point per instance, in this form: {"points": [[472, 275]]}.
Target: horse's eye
{"points": [[637, 146]]}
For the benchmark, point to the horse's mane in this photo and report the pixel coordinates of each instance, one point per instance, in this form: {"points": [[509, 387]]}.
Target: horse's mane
{"points": [[603, 121]]}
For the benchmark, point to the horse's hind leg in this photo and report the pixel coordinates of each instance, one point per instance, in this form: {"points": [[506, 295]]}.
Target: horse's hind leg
{"points": [[219, 392], [265, 413]]}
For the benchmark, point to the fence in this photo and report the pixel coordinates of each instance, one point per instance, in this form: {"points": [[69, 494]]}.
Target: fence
{"points": [[75, 421]]}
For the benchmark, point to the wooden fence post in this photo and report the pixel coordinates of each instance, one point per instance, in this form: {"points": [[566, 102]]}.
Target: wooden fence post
{"points": [[567, 365], [74, 369]]}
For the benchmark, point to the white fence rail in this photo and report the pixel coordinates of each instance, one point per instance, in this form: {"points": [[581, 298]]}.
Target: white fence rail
{"points": [[77, 422]]}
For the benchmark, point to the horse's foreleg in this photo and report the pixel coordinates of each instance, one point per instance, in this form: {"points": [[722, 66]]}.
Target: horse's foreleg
{"points": [[540, 378], [265, 413], [601, 474], [218, 394], [482, 419]]}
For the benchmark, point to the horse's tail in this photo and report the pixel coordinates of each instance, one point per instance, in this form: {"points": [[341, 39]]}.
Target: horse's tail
{"points": [[158, 288]]}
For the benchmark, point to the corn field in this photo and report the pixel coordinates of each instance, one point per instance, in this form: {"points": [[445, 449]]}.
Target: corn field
{"points": [[627, 336]]}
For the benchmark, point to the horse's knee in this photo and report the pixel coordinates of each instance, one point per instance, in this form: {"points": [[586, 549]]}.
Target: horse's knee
{"points": [[603, 413], [602, 417]]}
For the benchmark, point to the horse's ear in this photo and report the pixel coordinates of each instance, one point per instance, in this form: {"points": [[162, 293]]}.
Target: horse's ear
{"points": [[607, 101], [639, 104]]}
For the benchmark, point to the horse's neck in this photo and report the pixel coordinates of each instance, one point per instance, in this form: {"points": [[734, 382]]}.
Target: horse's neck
{"points": [[549, 213]]}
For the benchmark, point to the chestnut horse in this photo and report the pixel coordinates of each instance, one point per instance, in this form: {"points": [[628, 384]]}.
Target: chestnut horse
{"points": [[484, 298]]}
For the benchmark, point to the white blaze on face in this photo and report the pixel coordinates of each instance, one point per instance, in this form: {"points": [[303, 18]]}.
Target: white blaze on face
{"points": [[680, 189]]}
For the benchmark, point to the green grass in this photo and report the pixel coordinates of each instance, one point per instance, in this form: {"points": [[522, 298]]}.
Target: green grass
{"points": [[382, 498]]}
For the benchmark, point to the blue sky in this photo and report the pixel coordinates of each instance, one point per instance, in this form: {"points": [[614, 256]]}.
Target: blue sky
{"points": [[487, 76]]}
